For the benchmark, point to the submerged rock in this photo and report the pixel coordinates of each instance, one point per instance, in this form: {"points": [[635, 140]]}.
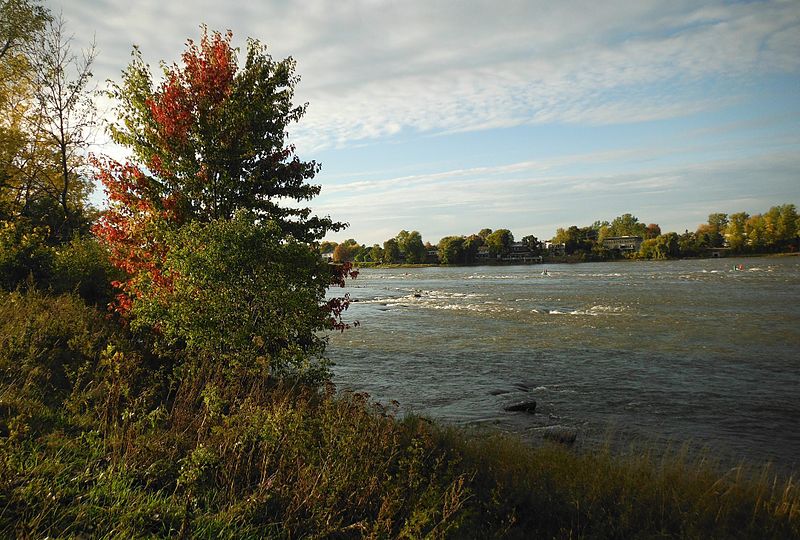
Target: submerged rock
{"points": [[560, 434], [499, 392], [524, 406]]}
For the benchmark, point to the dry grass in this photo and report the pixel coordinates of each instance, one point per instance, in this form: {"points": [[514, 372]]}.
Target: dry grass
{"points": [[102, 440]]}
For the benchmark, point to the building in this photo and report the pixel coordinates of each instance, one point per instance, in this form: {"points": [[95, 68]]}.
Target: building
{"points": [[556, 249], [521, 252], [623, 243]]}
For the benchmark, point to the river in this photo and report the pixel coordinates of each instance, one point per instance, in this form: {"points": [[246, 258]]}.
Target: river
{"points": [[663, 352]]}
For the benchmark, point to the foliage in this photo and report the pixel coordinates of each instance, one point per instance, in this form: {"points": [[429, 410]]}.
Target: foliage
{"points": [[451, 250], [735, 232], [47, 115], [653, 230], [211, 139], [24, 255], [391, 251], [96, 444], [213, 135], [28, 260], [83, 266], [499, 242], [240, 293], [627, 225], [665, 246], [575, 239], [20, 21], [411, 247], [346, 251]]}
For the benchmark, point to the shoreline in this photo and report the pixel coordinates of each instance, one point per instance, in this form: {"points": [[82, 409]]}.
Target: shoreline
{"points": [[569, 260]]}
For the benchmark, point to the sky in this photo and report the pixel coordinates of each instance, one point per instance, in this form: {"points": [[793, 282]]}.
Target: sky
{"points": [[450, 117]]}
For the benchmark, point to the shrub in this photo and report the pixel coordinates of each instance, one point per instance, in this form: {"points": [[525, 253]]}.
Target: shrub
{"points": [[25, 258], [83, 266], [241, 293]]}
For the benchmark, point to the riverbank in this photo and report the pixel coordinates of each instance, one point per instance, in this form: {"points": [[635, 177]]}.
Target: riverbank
{"points": [[100, 439], [566, 259]]}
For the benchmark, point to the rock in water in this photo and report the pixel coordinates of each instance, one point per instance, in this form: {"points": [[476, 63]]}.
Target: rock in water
{"points": [[560, 434], [525, 406]]}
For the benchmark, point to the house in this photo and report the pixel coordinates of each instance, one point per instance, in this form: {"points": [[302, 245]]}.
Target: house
{"points": [[556, 249], [623, 243], [521, 252], [483, 254]]}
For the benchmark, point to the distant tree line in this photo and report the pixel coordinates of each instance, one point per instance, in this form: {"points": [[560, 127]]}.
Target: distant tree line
{"points": [[776, 230]]}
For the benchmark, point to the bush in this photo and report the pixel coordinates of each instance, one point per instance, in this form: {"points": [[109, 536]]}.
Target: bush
{"points": [[83, 266], [239, 292], [25, 258]]}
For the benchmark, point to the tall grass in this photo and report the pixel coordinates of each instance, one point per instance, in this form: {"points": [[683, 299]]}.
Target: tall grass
{"points": [[101, 439]]}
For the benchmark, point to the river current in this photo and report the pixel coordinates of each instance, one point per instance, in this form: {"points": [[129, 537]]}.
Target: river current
{"points": [[695, 351]]}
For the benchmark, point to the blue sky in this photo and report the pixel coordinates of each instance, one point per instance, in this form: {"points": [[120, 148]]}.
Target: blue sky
{"points": [[448, 117]]}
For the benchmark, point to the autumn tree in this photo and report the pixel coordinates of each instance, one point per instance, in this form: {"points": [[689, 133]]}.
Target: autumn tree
{"points": [[711, 233], [47, 116], [208, 146], [735, 231], [652, 231], [346, 251], [21, 22], [212, 136]]}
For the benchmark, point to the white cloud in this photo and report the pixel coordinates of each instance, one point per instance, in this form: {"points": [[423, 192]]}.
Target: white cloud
{"points": [[372, 69], [529, 197]]}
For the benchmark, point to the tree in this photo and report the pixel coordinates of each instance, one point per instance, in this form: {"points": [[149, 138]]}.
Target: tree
{"points": [[756, 230], [451, 250], [47, 116], [346, 251], [531, 242], [66, 116], [243, 296], [499, 242], [198, 218], [735, 233], [20, 21], [484, 233], [712, 233], [471, 245], [627, 225], [570, 237], [327, 247], [785, 224], [391, 251], [213, 136], [411, 246], [376, 253], [652, 231]]}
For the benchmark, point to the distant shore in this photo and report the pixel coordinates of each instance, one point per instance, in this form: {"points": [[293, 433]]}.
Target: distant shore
{"points": [[567, 259]]}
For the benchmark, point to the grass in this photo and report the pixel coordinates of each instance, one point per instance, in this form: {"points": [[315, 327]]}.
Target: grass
{"points": [[101, 439]]}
